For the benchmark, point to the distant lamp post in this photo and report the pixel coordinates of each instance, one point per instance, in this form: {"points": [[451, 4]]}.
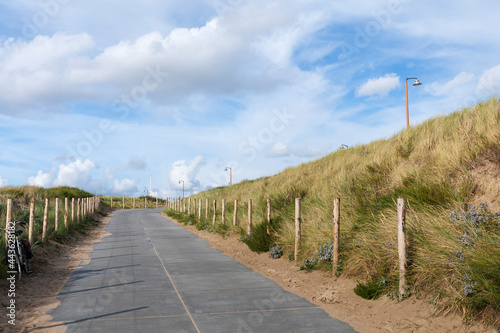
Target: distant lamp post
{"points": [[181, 181], [416, 83], [230, 175]]}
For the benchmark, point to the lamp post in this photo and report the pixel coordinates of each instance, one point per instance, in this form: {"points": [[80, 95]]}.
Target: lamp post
{"points": [[181, 181], [230, 175], [416, 83]]}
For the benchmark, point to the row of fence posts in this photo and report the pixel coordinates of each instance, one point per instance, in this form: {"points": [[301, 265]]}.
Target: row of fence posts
{"points": [[84, 206], [133, 202], [179, 204]]}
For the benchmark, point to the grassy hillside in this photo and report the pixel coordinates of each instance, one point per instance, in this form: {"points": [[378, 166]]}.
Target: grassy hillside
{"points": [[21, 197], [445, 167]]}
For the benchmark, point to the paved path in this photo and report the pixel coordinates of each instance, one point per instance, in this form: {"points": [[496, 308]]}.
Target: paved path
{"points": [[151, 275]]}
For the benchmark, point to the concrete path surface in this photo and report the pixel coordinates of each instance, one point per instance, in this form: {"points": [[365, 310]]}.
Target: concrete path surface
{"points": [[150, 275]]}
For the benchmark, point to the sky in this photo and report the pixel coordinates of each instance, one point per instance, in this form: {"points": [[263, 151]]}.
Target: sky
{"points": [[132, 98]]}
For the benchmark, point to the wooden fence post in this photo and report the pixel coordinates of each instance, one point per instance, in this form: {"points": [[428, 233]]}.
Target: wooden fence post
{"points": [[45, 220], [73, 210], [157, 203], [206, 209], [145, 202], [57, 215], [223, 211], [78, 210], [268, 216], [402, 246], [199, 209], [66, 209], [189, 206], [123, 202], [336, 231], [235, 213], [8, 219], [215, 210], [31, 225], [111, 201], [297, 228], [249, 216], [194, 206]]}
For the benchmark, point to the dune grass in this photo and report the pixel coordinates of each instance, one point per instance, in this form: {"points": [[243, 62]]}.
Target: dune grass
{"points": [[454, 261]]}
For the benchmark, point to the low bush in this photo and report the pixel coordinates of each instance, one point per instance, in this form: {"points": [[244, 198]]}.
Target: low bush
{"points": [[258, 240]]}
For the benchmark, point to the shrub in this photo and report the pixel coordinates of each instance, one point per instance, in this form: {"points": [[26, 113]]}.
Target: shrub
{"points": [[371, 290], [276, 252], [325, 252], [258, 240], [309, 264]]}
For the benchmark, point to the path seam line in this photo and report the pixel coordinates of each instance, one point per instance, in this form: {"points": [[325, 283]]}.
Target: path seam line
{"points": [[171, 281]]}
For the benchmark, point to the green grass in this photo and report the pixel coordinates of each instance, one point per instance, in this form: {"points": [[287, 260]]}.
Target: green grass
{"points": [[131, 202], [433, 166]]}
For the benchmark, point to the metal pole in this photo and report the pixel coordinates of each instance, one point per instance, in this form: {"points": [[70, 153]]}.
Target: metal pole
{"points": [[407, 113]]}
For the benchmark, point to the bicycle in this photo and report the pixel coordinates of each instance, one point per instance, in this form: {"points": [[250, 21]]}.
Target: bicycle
{"points": [[18, 251]]}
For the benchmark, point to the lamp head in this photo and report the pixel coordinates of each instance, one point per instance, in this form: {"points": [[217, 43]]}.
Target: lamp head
{"points": [[417, 83]]}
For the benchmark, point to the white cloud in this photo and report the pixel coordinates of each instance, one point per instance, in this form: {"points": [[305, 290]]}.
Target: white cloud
{"points": [[282, 150], [279, 150], [36, 70], [125, 187], [226, 56], [460, 79], [136, 163], [3, 182], [186, 172], [381, 86], [75, 173], [489, 83], [42, 179]]}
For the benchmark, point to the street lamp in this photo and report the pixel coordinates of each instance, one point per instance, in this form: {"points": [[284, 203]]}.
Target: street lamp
{"points": [[230, 175], [182, 188], [416, 83]]}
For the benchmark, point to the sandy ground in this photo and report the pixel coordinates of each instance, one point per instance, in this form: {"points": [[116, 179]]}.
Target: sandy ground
{"points": [[54, 263], [36, 293]]}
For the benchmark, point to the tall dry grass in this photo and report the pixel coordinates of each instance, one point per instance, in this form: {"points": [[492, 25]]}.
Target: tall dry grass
{"points": [[430, 165]]}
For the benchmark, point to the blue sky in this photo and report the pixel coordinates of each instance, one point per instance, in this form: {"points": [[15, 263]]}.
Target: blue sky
{"points": [[107, 95]]}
